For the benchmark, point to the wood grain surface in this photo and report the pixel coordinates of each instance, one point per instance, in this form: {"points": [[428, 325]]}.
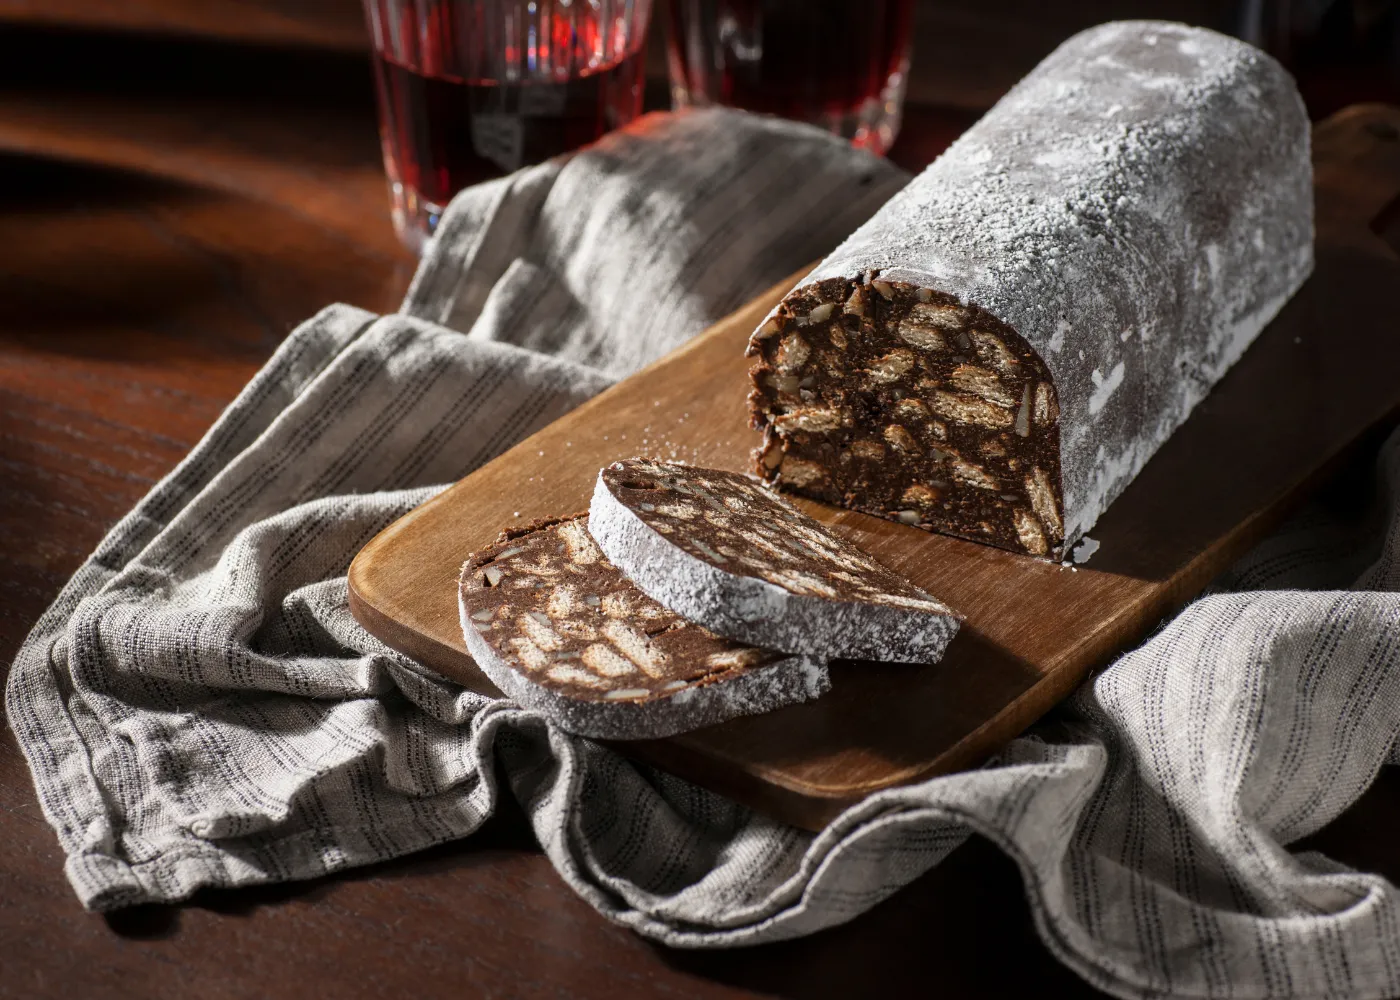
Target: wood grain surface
{"points": [[338, 25], [1033, 630], [156, 300]]}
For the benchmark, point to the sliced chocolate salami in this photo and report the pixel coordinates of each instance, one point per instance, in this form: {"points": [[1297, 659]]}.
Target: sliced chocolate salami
{"points": [[722, 550], [558, 628], [1003, 346]]}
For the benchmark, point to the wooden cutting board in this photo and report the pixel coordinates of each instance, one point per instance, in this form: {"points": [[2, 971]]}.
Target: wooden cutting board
{"points": [[1323, 374]]}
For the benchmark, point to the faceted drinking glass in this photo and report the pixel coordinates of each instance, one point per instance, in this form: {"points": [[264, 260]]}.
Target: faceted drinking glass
{"points": [[472, 89], [840, 64]]}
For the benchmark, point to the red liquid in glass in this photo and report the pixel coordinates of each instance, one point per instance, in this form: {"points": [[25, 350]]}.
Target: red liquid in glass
{"points": [[442, 133], [1341, 52], [803, 59]]}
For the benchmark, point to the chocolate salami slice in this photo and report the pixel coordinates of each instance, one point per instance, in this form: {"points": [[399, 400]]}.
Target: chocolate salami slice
{"points": [[1001, 348], [558, 628], [723, 551]]}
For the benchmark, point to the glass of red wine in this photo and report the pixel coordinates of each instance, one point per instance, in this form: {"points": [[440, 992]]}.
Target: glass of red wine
{"points": [[1342, 51], [473, 89], [840, 64]]}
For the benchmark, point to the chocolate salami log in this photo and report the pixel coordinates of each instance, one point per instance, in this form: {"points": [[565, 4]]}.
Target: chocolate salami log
{"points": [[727, 553], [1001, 348], [558, 628]]}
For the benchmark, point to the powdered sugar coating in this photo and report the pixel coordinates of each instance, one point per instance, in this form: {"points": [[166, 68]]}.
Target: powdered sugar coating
{"points": [[723, 551], [1137, 208]]}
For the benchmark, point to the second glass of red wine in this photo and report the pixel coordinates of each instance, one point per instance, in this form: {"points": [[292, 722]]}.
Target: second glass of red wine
{"points": [[472, 89], [840, 64]]}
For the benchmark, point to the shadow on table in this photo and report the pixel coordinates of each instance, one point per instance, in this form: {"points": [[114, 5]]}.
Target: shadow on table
{"points": [[967, 918], [507, 832]]}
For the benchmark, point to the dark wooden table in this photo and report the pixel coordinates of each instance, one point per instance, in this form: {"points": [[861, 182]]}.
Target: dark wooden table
{"points": [[156, 243]]}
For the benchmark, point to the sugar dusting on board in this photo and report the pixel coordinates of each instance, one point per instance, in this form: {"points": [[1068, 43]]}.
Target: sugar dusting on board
{"points": [[1084, 551]]}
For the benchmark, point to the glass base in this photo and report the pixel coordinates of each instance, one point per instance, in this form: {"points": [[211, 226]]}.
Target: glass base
{"points": [[872, 125], [415, 218], [875, 124]]}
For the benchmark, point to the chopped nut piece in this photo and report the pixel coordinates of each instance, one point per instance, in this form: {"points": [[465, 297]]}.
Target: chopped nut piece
{"points": [[768, 329], [1023, 415], [735, 658], [884, 288], [924, 294], [909, 516], [772, 455], [837, 336], [792, 353], [855, 305], [821, 313], [785, 384]]}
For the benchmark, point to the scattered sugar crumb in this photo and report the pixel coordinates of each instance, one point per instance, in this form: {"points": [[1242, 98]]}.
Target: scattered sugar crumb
{"points": [[1084, 550]]}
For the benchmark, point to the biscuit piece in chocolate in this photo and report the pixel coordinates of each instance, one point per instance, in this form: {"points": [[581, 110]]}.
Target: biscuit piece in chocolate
{"points": [[559, 629], [1003, 346], [720, 549]]}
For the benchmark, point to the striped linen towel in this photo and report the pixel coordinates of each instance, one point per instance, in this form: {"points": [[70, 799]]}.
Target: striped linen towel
{"points": [[198, 707]]}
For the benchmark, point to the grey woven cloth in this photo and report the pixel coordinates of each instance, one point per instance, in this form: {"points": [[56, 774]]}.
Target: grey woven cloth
{"points": [[199, 708]]}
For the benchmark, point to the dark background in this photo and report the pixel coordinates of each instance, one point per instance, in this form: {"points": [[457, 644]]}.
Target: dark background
{"points": [[181, 182]]}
